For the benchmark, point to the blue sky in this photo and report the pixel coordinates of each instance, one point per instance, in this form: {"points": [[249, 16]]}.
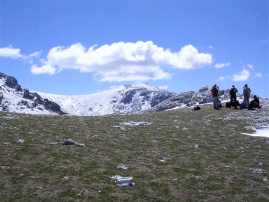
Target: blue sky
{"points": [[75, 47]]}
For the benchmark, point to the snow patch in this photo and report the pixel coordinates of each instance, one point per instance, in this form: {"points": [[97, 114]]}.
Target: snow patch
{"points": [[262, 130]]}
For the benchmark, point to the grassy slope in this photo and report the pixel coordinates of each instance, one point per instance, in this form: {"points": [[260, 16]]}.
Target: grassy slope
{"points": [[206, 158]]}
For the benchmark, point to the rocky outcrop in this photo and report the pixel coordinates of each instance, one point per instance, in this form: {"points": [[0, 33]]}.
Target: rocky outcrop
{"points": [[12, 83], [52, 106], [191, 98], [37, 100], [154, 97], [26, 94]]}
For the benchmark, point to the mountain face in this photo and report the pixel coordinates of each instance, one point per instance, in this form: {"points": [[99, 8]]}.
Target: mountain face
{"points": [[15, 99], [127, 99]]}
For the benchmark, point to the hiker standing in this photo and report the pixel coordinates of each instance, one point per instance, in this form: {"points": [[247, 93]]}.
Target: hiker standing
{"points": [[233, 92], [246, 93], [215, 94]]}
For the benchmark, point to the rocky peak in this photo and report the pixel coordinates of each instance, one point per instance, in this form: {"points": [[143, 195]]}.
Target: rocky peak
{"points": [[203, 89], [2, 75], [12, 83]]}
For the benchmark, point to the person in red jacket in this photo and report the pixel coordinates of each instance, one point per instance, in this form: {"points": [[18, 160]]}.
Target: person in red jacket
{"points": [[215, 94]]}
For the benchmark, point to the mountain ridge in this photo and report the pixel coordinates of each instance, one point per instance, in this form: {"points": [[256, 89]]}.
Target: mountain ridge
{"points": [[125, 99]]}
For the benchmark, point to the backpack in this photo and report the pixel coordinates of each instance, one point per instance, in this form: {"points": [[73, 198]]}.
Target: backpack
{"points": [[243, 106]]}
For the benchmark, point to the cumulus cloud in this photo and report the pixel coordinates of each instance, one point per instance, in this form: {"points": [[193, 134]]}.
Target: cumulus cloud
{"points": [[122, 61], [242, 76], [221, 65], [15, 53], [10, 52], [46, 69]]}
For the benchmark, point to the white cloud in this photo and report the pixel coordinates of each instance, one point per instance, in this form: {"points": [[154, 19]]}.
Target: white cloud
{"points": [[123, 61], [165, 87], [221, 78], [250, 66], [221, 65], [242, 76], [35, 54], [15, 53], [258, 75], [43, 70], [10, 52]]}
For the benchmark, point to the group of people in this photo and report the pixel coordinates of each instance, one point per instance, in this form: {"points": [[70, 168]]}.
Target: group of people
{"points": [[233, 102]]}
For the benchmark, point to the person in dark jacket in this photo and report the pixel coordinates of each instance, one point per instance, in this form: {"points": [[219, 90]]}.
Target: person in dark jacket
{"points": [[215, 94], [255, 103], [233, 92]]}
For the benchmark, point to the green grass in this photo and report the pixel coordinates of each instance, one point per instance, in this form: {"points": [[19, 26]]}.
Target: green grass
{"points": [[206, 157]]}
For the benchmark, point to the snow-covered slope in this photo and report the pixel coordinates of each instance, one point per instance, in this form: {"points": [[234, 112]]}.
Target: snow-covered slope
{"points": [[127, 99], [15, 99]]}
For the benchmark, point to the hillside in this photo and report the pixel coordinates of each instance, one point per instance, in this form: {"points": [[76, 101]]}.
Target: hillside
{"points": [[127, 99], [176, 155]]}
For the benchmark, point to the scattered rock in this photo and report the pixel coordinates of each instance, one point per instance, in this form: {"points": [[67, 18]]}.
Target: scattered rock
{"points": [[10, 117], [20, 141], [71, 142], [120, 127], [132, 123], [198, 177], [84, 191], [257, 171], [68, 162], [121, 166], [163, 160], [123, 181], [66, 178]]}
